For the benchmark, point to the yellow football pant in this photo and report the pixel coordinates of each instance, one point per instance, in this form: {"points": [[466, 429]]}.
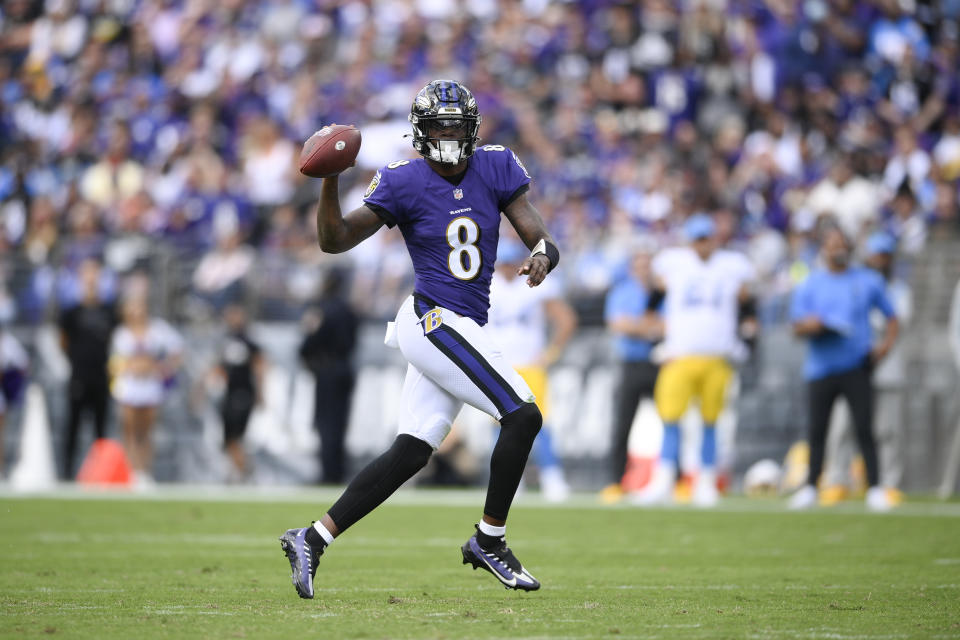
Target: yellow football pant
{"points": [[702, 377]]}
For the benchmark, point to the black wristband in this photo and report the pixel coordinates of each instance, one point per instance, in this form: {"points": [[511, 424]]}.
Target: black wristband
{"points": [[553, 255], [547, 248], [748, 309]]}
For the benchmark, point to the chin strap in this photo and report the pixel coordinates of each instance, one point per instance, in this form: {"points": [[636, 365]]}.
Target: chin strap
{"points": [[548, 249]]}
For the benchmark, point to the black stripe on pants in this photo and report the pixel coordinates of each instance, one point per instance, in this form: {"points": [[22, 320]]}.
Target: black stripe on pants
{"points": [[857, 388]]}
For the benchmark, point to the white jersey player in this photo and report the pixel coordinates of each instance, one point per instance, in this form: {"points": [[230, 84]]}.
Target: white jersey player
{"points": [[707, 293]]}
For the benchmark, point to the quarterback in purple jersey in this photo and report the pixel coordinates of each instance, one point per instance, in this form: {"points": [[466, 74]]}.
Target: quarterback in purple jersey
{"points": [[447, 205]]}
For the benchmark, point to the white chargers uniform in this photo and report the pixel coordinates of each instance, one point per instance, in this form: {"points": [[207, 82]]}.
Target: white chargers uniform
{"points": [[702, 305], [700, 323]]}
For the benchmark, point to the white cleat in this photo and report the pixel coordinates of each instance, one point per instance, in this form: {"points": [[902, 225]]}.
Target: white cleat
{"points": [[660, 488], [878, 500], [804, 498], [705, 493]]}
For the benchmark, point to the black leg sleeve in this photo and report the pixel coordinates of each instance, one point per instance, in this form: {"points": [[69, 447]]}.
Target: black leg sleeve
{"points": [[822, 394], [517, 433], [74, 415], [99, 400], [379, 479], [858, 390]]}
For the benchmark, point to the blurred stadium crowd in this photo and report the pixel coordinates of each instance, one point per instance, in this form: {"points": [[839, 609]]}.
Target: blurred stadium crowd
{"points": [[162, 137], [145, 130]]}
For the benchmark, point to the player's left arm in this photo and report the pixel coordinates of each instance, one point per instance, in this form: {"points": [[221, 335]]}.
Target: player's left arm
{"points": [[530, 227]]}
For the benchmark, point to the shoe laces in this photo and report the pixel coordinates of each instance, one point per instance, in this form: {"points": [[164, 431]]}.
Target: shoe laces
{"points": [[503, 554]]}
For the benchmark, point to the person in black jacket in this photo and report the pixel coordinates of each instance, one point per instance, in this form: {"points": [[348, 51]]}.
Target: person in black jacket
{"points": [[85, 331], [327, 352]]}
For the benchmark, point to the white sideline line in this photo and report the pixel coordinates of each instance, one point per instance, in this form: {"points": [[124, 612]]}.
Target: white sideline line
{"points": [[209, 538], [446, 498], [759, 587], [634, 587], [828, 634]]}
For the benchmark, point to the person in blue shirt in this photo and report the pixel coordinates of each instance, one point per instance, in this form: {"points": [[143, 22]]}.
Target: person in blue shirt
{"points": [[634, 334], [831, 310]]}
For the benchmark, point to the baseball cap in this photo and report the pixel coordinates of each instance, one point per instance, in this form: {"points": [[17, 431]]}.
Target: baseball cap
{"points": [[881, 242], [698, 226]]}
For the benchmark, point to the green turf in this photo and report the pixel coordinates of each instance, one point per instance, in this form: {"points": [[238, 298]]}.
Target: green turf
{"points": [[135, 568]]}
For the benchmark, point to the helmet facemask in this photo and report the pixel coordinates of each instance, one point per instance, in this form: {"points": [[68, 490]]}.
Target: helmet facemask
{"points": [[448, 139], [445, 122]]}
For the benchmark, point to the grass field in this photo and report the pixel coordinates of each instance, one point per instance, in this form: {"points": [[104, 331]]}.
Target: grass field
{"points": [[173, 566]]}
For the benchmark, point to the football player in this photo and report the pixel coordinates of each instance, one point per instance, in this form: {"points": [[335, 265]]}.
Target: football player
{"points": [[447, 205], [707, 295]]}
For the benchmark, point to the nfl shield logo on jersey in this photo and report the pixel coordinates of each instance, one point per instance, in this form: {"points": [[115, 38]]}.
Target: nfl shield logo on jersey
{"points": [[458, 194]]}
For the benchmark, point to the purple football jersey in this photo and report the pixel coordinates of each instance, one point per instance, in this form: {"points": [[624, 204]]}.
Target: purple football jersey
{"points": [[451, 230]]}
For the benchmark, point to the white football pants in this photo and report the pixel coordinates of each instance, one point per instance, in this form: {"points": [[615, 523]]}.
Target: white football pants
{"points": [[452, 361]]}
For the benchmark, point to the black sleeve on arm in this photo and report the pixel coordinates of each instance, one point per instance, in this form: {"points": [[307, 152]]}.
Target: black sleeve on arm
{"points": [[747, 309], [387, 217], [522, 189], [655, 299]]}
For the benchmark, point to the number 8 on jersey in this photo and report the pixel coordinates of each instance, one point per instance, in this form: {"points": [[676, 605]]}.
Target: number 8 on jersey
{"points": [[464, 259]]}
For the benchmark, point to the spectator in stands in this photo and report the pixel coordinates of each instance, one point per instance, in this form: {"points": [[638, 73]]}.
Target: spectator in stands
{"points": [[269, 170], [905, 221], [220, 276], [634, 333], [909, 164], [61, 32], [117, 175], [240, 369], [946, 153], [327, 352], [853, 199], [831, 310], [145, 355], [945, 218], [159, 117], [85, 331]]}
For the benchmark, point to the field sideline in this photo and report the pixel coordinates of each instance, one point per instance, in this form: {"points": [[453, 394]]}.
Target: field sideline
{"points": [[201, 562]]}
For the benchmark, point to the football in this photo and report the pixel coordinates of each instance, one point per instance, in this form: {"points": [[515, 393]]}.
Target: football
{"points": [[331, 150]]}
